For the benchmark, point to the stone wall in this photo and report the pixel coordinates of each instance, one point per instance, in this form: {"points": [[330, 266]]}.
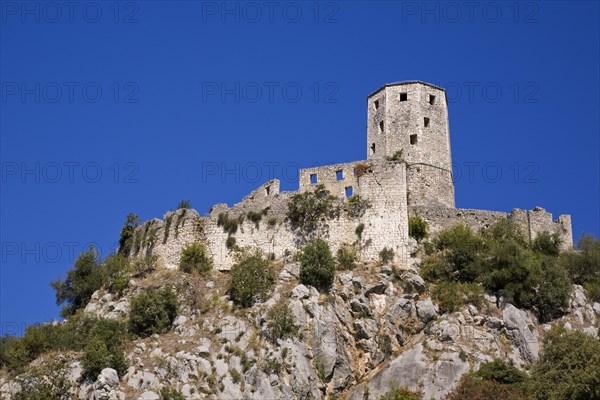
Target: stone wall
{"points": [[531, 222], [385, 220]]}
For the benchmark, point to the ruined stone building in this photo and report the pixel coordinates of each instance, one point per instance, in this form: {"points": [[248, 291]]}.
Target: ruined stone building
{"points": [[407, 171]]}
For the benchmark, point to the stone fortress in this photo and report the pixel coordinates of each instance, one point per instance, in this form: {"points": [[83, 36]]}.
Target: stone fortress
{"points": [[407, 172]]}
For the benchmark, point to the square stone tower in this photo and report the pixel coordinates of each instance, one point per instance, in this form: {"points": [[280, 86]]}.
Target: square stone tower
{"points": [[412, 117]]}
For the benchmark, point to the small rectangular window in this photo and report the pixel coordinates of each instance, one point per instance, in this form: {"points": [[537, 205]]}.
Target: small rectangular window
{"points": [[431, 99], [348, 191], [426, 122], [381, 126], [403, 96], [373, 148], [376, 104], [413, 139], [339, 175], [313, 179], [268, 190]]}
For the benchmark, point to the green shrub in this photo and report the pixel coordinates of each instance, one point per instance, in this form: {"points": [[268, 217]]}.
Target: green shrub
{"points": [[280, 322], [504, 262], [126, 240], [184, 204], [450, 296], [72, 335], [146, 264], [359, 230], [457, 258], [306, 210], [194, 258], [346, 257], [82, 281], [583, 265], [568, 368], [170, 394], [386, 256], [357, 206], [256, 216], [553, 289], [317, 267], [417, 228], [230, 226], [230, 242], [397, 156], [272, 221], [116, 272], [548, 244], [478, 389], [502, 372], [252, 279], [400, 394], [152, 312]]}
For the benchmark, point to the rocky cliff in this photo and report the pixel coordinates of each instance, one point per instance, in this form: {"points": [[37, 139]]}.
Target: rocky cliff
{"points": [[377, 328]]}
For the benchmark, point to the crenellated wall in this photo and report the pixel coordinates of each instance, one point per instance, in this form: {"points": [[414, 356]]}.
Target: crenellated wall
{"points": [[385, 218], [531, 222]]}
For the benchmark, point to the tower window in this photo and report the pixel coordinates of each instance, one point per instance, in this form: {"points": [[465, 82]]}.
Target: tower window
{"points": [[403, 96], [339, 175], [268, 190], [413, 139], [426, 122], [373, 148], [313, 179], [431, 99], [348, 191], [381, 126], [376, 104]]}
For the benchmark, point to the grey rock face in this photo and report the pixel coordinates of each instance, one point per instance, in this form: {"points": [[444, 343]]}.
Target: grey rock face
{"points": [[426, 310], [521, 330]]}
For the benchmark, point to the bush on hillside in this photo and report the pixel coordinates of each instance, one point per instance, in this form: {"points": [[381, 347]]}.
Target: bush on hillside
{"points": [[194, 258], [317, 267], [252, 279], [152, 311], [82, 281]]}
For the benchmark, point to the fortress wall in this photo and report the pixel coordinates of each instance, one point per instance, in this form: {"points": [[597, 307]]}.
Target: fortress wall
{"points": [[385, 223], [328, 176], [531, 222], [440, 218]]}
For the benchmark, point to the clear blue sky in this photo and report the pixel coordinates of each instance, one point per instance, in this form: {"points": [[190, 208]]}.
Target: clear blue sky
{"points": [[107, 110]]}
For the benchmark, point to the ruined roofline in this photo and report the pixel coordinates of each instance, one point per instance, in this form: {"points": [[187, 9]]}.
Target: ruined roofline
{"points": [[400, 83]]}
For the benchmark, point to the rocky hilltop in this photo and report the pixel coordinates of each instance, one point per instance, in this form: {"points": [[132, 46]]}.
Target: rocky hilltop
{"points": [[378, 327]]}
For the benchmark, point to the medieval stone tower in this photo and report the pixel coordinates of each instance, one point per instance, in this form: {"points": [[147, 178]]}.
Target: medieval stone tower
{"points": [[412, 117]]}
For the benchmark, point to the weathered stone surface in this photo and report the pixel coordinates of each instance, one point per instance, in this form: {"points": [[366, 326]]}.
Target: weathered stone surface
{"points": [[426, 310], [520, 329]]}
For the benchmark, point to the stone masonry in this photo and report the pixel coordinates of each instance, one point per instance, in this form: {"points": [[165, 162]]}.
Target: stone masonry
{"points": [[407, 172]]}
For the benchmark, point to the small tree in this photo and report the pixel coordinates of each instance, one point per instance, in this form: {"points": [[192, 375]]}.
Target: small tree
{"points": [[252, 279], [317, 267], [184, 204], [194, 258], [81, 283], [346, 257], [126, 239], [152, 312], [306, 210], [386, 255], [417, 228], [280, 322], [116, 271], [568, 368]]}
